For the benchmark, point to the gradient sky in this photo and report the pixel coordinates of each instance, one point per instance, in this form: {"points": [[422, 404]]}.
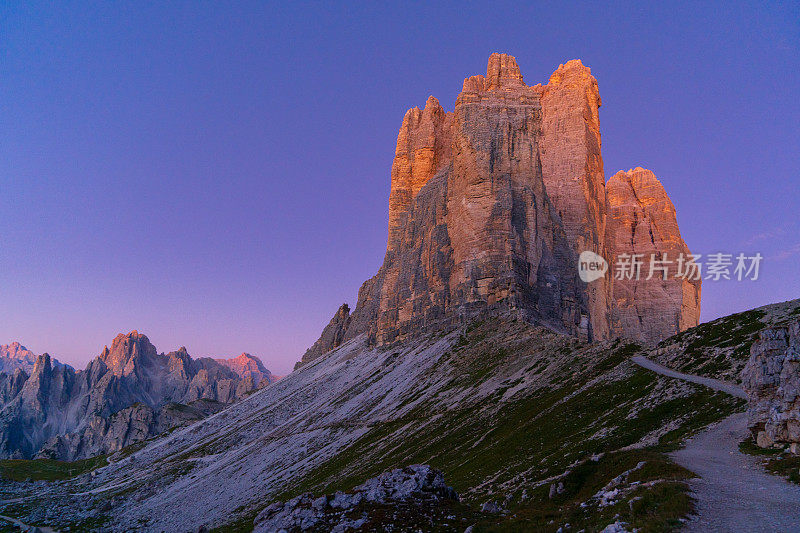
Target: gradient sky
{"points": [[216, 175]]}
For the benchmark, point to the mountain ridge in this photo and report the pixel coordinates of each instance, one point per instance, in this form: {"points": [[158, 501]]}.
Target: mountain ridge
{"points": [[15, 355], [123, 396]]}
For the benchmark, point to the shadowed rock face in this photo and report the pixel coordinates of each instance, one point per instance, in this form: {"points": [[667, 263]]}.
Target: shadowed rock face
{"points": [[642, 220], [572, 168], [332, 336], [121, 397], [772, 381], [490, 206]]}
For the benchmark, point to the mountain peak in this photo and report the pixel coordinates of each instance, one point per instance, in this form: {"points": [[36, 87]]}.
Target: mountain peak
{"points": [[125, 350], [490, 207], [15, 356], [16, 351], [502, 71], [248, 365]]}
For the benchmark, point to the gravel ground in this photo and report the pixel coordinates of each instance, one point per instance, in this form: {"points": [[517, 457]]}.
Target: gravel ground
{"points": [[733, 492]]}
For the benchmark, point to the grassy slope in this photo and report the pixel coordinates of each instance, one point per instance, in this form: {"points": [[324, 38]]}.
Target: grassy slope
{"points": [[584, 401], [778, 462], [720, 348], [535, 406], [48, 469]]}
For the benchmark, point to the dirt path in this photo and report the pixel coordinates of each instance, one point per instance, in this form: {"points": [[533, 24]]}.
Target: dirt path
{"points": [[25, 527], [724, 386], [733, 492]]}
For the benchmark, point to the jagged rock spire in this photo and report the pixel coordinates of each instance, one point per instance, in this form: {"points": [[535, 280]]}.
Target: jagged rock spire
{"points": [[502, 71], [490, 206]]}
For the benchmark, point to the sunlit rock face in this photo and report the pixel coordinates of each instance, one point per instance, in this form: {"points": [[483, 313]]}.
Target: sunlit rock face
{"points": [[423, 148], [642, 221], [572, 168], [490, 206], [247, 366]]}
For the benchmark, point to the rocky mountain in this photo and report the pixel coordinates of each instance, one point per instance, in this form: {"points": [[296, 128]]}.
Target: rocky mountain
{"points": [[478, 384], [492, 203], [248, 367], [127, 394], [15, 355]]}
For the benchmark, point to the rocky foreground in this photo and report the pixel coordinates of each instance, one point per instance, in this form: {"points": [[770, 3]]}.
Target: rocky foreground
{"points": [[416, 488], [772, 379]]}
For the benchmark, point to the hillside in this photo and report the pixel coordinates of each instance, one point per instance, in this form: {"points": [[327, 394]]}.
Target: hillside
{"points": [[720, 348], [505, 409]]}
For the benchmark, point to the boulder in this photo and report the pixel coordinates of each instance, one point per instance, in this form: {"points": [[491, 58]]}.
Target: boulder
{"points": [[415, 483]]}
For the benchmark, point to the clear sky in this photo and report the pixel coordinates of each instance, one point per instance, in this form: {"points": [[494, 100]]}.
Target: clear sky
{"points": [[216, 175]]}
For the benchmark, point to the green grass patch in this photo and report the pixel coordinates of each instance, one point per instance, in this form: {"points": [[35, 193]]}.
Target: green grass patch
{"points": [[749, 447], [775, 461], [786, 466], [48, 469]]}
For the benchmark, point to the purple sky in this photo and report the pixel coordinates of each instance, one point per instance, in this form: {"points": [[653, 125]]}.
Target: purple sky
{"points": [[217, 175]]}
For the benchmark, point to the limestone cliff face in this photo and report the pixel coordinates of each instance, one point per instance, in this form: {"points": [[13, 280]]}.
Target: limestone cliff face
{"points": [[572, 167], [332, 336], [480, 233], [423, 147], [490, 206], [772, 381], [642, 221], [120, 397]]}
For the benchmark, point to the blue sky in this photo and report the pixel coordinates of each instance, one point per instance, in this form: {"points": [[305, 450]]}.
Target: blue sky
{"points": [[217, 176]]}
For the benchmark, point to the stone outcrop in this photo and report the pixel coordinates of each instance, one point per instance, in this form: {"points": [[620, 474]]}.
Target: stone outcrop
{"points": [[332, 336], [492, 203], [572, 168], [417, 486], [134, 424], [772, 381], [423, 147], [128, 393], [642, 221]]}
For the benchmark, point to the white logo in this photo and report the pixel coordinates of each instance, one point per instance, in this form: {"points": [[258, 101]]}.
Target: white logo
{"points": [[591, 266]]}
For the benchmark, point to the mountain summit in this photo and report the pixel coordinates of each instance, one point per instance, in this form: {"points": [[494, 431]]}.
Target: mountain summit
{"points": [[491, 205], [16, 356]]}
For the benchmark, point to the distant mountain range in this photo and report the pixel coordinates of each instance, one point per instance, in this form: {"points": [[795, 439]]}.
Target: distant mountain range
{"points": [[15, 355], [127, 394]]}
